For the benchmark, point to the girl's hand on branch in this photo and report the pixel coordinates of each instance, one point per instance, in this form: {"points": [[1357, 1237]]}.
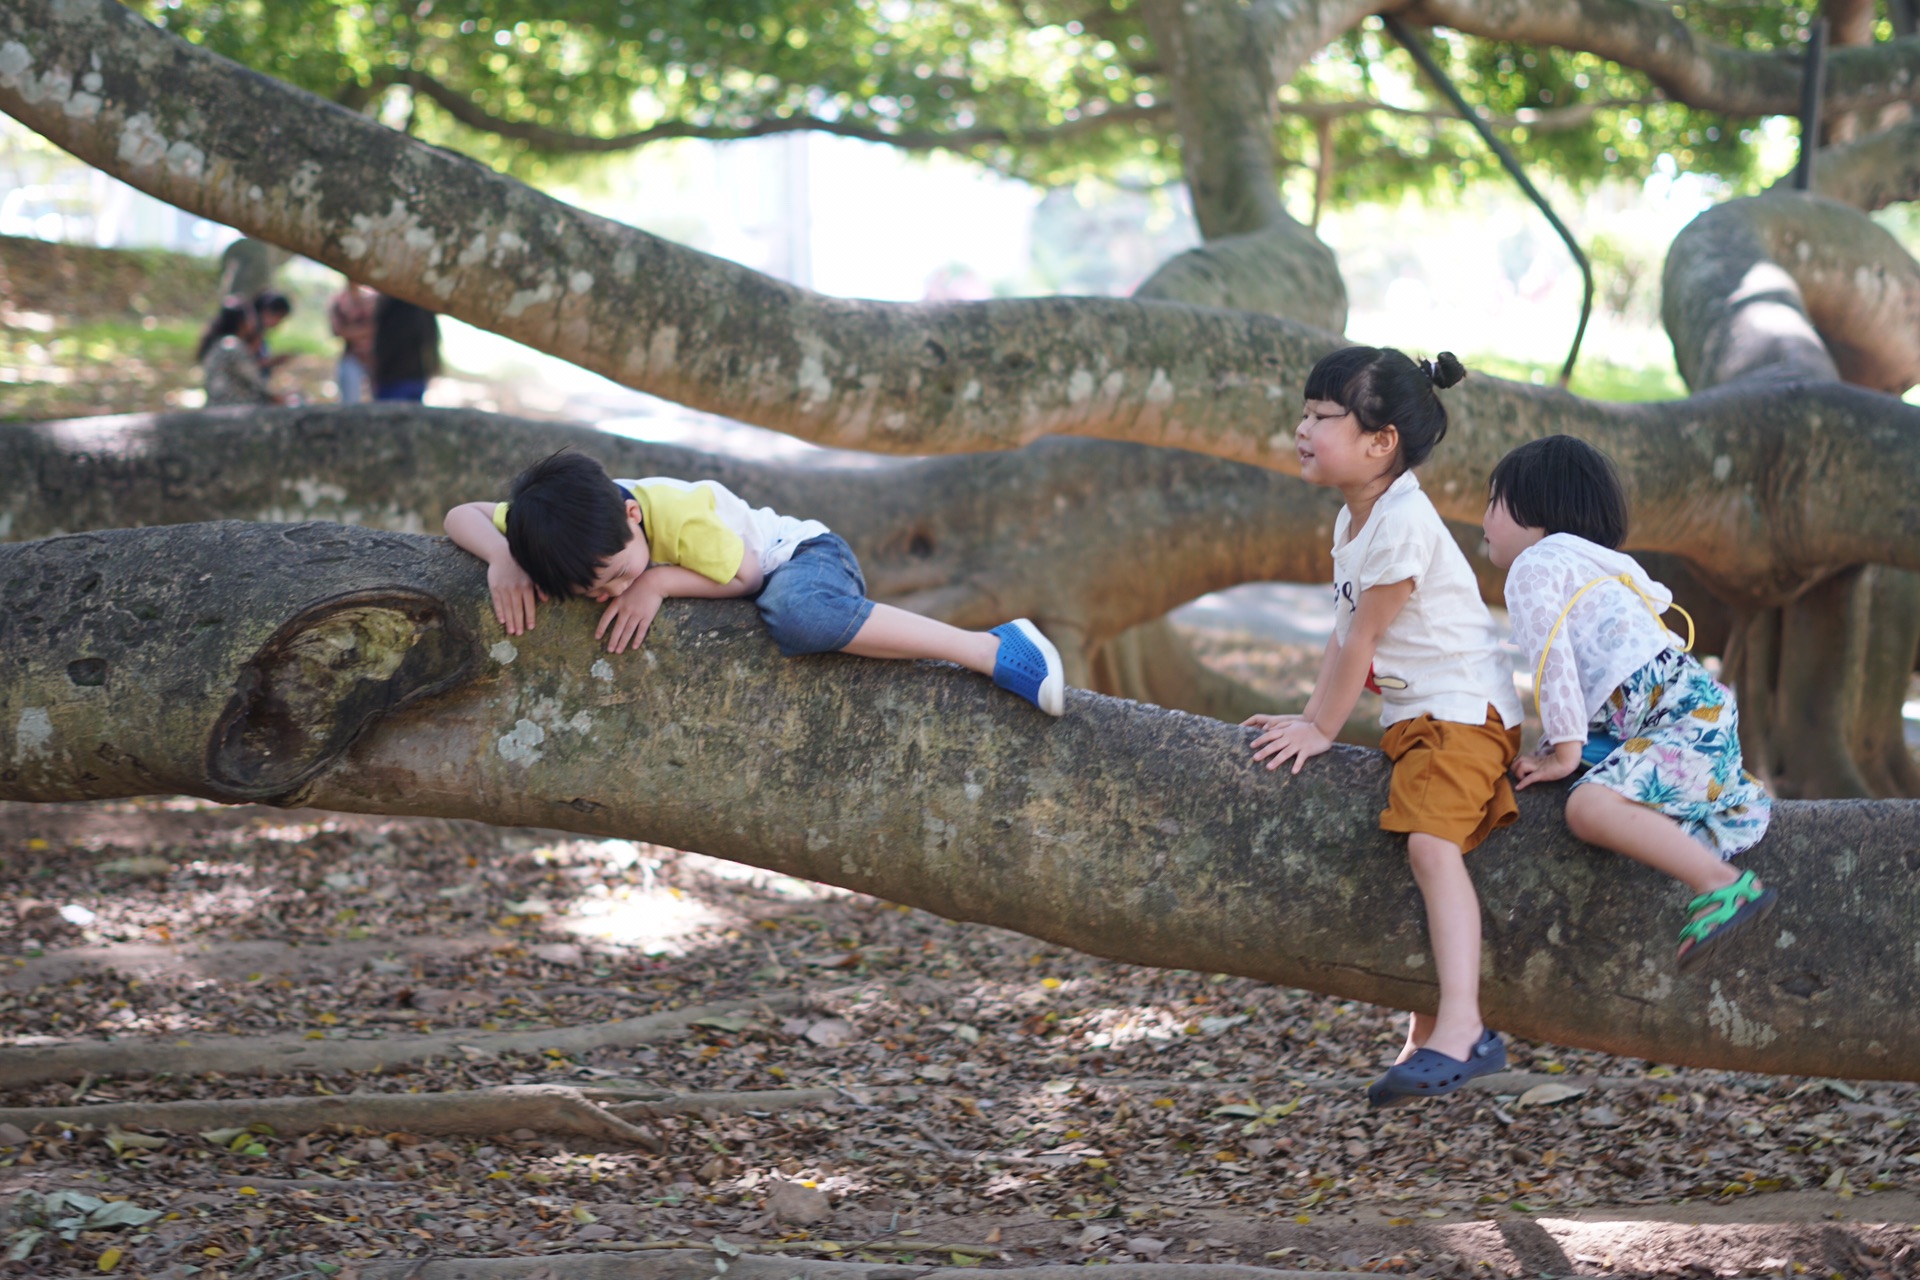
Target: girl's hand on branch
{"points": [[1298, 740], [1551, 767]]}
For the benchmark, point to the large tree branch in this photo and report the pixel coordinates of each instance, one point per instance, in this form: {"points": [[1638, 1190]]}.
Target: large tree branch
{"points": [[1290, 32], [1688, 66], [561, 141], [974, 539], [1257, 257], [1791, 286], [359, 670], [1786, 288], [1872, 172], [1732, 479]]}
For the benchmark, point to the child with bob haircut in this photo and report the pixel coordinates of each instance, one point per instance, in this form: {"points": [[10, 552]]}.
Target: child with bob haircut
{"points": [[1665, 784], [569, 529], [1410, 624]]}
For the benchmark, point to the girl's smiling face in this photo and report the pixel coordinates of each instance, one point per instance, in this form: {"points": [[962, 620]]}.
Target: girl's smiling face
{"points": [[1335, 452], [1506, 537]]}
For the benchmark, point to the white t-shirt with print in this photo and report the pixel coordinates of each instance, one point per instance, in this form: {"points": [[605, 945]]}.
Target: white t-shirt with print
{"points": [[1440, 656], [1608, 635]]}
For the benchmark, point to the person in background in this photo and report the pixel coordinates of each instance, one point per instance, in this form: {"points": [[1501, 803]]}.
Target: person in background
{"points": [[270, 311], [406, 350], [229, 358], [350, 316]]}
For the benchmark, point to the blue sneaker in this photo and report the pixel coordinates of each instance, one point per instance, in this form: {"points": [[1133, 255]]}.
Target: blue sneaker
{"points": [[1029, 665]]}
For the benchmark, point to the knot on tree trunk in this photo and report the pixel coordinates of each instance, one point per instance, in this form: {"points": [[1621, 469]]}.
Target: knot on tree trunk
{"points": [[323, 677]]}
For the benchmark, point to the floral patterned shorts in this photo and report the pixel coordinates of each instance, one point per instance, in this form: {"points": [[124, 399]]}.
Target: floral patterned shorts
{"points": [[1679, 752]]}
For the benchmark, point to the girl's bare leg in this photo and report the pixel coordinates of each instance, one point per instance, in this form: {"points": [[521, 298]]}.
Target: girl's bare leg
{"points": [[1453, 922], [1612, 821], [1419, 1028]]}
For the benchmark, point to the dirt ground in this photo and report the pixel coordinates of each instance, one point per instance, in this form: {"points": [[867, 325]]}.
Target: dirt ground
{"points": [[1009, 1102]]}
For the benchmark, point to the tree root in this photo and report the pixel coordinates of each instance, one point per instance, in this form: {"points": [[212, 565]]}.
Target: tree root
{"points": [[22, 1066], [604, 1113], [690, 1264], [669, 1104]]}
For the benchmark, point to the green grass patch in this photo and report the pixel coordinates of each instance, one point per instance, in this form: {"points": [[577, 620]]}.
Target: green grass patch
{"points": [[1592, 379]]}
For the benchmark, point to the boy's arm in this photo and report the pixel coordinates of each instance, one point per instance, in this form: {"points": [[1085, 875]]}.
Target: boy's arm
{"points": [[627, 619], [470, 525], [1340, 683]]}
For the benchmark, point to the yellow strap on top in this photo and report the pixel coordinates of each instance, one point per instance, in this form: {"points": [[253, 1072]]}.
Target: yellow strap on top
{"points": [[1625, 580]]}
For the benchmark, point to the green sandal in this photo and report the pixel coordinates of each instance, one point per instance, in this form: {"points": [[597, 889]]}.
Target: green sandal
{"points": [[1744, 902]]}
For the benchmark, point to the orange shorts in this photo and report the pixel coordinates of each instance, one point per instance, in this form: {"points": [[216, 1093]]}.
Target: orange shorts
{"points": [[1450, 779]]}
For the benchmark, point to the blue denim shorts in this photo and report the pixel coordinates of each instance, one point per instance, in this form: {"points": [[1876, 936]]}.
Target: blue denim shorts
{"points": [[817, 601]]}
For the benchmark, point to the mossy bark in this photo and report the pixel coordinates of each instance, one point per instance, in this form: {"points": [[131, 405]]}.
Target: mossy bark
{"points": [[134, 659]]}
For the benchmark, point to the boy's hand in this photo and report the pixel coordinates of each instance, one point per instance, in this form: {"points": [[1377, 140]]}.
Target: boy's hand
{"points": [[1528, 770], [627, 619], [1298, 740], [514, 595], [1260, 720]]}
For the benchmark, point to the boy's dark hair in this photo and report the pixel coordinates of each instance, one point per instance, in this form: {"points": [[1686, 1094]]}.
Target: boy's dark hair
{"points": [[1562, 485], [269, 303], [1381, 386], [565, 516]]}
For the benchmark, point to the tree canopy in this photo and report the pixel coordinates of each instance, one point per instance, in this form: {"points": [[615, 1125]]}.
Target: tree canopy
{"points": [[1045, 90]]}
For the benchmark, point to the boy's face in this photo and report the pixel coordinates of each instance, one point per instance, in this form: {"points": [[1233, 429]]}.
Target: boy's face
{"points": [[620, 570], [1506, 537]]}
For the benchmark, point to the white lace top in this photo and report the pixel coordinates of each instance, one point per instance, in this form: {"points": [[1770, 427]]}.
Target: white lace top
{"points": [[1607, 636]]}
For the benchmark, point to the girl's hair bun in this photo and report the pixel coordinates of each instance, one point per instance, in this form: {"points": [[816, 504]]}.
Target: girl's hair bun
{"points": [[1443, 370]]}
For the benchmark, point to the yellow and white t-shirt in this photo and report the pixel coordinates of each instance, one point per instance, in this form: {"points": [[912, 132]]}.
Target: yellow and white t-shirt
{"points": [[704, 526]]}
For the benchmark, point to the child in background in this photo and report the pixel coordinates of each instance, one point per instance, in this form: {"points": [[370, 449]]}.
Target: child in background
{"points": [[569, 530], [1662, 736], [1409, 622]]}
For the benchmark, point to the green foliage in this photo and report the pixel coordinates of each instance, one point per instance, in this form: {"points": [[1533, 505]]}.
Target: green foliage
{"points": [[1546, 104], [605, 68], [608, 67]]}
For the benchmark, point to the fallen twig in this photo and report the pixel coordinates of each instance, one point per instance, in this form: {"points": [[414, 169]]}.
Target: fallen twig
{"points": [[21, 1066], [727, 1103], [544, 1108], [687, 1264], [839, 1247]]}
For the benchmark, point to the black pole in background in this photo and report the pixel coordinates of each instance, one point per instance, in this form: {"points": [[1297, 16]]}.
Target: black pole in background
{"points": [[1398, 30], [1905, 15], [1813, 87]]}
